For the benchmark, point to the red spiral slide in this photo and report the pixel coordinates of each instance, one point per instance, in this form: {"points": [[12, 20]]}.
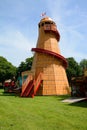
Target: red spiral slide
{"points": [[58, 56]]}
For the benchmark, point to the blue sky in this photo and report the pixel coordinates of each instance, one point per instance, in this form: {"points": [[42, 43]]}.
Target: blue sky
{"points": [[19, 27]]}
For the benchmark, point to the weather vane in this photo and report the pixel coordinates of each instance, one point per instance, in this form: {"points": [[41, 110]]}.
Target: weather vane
{"points": [[43, 14]]}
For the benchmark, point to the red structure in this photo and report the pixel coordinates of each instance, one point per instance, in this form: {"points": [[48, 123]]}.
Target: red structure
{"points": [[9, 86]]}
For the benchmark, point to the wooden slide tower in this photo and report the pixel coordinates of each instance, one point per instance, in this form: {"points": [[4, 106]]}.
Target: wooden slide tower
{"points": [[48, 75]]}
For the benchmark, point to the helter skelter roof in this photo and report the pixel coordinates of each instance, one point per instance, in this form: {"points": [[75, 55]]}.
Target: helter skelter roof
{"points": [[46, 19]]}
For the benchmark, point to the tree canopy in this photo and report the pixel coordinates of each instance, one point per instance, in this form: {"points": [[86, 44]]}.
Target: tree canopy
{"points": [[7, 70], [73, 69], [83, 64], [25, 65]]}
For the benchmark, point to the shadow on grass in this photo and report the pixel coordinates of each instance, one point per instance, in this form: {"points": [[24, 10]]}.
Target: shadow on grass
{"points": [[7, 94], [80, 104], [62, 97], [2, 93]]}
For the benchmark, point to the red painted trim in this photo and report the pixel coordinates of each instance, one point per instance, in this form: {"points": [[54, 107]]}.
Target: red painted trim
{"points": [[60, 57], [36, 89]]}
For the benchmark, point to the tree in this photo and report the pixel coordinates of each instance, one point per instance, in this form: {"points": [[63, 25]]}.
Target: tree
{"points": [[7, 70], [73, 69], [29, 63], [83, 64], [24, 66]]}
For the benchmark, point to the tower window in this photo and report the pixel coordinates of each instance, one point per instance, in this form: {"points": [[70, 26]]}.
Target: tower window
{"points": [[42, 24], [47, 22], [47, 27]]}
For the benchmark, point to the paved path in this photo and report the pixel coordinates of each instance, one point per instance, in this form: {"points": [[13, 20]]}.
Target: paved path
{"points": [[73, 100]]}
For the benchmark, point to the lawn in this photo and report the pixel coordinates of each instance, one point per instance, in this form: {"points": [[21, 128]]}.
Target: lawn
{"points": [[41, 113]]}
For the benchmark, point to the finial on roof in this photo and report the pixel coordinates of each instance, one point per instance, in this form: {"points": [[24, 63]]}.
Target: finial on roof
{"points": [[43, 14]]}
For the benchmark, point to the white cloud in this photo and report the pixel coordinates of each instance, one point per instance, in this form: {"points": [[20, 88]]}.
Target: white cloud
{"points": [[16, 39], [71, 21], [15, 46]]}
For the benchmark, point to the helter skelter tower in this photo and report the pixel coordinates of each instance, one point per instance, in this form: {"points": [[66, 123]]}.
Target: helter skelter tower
{"points": [[48, 61]]}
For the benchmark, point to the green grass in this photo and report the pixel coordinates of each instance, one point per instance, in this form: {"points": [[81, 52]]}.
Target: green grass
{"points": [[41, 113]]}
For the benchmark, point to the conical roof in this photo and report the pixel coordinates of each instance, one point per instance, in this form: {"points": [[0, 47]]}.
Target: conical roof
{"points": [[46, 19]]}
